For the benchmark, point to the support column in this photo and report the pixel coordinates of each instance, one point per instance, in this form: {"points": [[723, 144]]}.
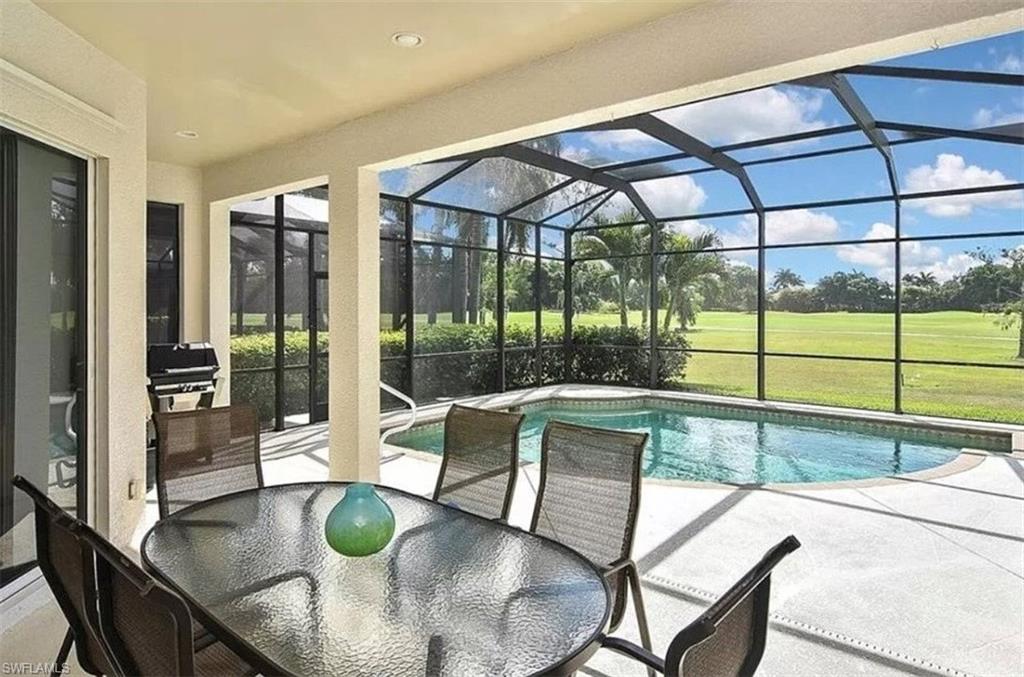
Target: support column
{"points": [[354, 372]]}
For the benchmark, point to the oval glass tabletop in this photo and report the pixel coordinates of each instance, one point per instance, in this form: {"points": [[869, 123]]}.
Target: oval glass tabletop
{"points": [[452, 594]]}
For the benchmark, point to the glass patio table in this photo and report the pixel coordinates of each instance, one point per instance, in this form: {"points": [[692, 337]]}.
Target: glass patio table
{"points": [[452, 594]]}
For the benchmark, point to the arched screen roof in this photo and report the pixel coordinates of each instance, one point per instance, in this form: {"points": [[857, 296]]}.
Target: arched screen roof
{"points": [[922, 128]]}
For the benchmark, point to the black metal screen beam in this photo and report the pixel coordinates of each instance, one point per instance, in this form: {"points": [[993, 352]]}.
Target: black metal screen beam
{"points": [[312, 329], [652, 300], [673, 136], [762, 306], [1012, 133], [860, 114], [279, 312], [442, 179], [410, 309], [540, 196], [597, 205], [536, 158], [559, 165], [576, 205], [946, 75], [538, 334], [854, 106], [567, 350], [500, 307]]}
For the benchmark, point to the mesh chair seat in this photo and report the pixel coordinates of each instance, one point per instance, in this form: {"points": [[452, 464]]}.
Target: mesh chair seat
{"points": [[589, 497], [481, 457], [218, 661], [205, 453]]}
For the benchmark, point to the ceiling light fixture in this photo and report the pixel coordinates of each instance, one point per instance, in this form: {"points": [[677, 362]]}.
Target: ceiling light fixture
{"points": [[187, 134], [406, 39]]}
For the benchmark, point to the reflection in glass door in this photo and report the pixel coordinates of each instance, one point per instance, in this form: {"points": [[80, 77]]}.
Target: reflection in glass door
{"points": [[42, 338]]}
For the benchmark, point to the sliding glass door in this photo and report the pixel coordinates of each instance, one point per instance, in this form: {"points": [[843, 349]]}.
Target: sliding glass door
{"points": [[42, 337]]}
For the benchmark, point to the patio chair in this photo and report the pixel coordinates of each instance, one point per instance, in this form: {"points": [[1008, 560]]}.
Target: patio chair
{"points": [[66, 564], [481, 460], [728, 638], [205, 453], [146, 628], [589, 498]]}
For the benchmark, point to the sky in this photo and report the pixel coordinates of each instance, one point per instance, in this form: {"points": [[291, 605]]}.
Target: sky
{"points": [[784, 109]]}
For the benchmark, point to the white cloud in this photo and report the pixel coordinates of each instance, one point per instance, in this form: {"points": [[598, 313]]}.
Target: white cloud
{"points": [[758, 114], [951, 171], [689, 228], [576, 154], [672, 196], [619, 138], [915, 257], [872, 255], [795, 225], [1011, 63], [947, 268], [996, 116]]}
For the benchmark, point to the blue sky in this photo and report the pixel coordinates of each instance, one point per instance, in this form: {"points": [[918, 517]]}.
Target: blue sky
{"points": [[772, 111]]}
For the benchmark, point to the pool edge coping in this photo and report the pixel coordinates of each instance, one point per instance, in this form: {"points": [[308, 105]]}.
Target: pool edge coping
{"points": [[967, 459]]}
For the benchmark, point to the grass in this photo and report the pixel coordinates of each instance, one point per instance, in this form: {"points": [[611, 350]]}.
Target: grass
{"points": [[965, 392], [991, 394]]}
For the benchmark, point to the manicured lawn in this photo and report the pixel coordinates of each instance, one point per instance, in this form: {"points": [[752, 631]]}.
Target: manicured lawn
{"points": [[970, 392]]}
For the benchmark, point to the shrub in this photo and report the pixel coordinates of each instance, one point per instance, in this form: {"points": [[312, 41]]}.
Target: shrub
{"points": [[255, 351], [473, 369]]}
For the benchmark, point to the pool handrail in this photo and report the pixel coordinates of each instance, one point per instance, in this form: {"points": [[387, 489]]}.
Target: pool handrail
{"points": [[412, 413]]}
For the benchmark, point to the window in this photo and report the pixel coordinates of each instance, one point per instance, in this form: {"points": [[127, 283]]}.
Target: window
{"points": [[163, 297]]}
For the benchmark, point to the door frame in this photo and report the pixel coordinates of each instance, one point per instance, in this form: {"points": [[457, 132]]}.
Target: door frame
{"points": [[9, 139]]}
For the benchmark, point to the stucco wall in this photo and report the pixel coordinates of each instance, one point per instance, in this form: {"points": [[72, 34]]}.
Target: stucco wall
{"points": [[59, 88], [707, 50]]}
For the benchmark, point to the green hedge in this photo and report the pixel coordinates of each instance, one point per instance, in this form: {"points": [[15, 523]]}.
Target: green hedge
{"points": [[255, 351], [473, 371]]}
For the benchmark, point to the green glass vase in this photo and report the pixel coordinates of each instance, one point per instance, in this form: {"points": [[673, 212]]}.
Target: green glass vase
{"points": [[361, 524]]}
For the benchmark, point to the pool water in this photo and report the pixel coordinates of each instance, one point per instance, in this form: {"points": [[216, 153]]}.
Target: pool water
{"points": [[700, 443]]}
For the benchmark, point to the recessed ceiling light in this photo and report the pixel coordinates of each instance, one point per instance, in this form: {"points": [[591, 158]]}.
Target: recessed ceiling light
{"points": [[406, 39], [187, 134]]}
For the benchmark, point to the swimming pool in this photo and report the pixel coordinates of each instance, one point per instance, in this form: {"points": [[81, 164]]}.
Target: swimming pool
{"points": [[724, 444]]}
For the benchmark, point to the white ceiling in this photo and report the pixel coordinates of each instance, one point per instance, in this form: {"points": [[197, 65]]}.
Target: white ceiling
{"points": [[249, 75]]}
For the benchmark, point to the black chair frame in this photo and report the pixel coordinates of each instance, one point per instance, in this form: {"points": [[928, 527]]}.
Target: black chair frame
{"points": [[79, 628], [109, 560], [756, 582]]}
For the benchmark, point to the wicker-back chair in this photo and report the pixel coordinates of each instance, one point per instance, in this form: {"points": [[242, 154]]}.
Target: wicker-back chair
{"points": [[589, 498], [728, 638], [146, 627], [481, 460], [205, 453], [66, 563]]}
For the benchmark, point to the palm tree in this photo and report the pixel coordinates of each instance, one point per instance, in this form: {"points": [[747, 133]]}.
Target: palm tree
{"points": [[922, 279], [614, 245], [786, 278], [685, 274]]}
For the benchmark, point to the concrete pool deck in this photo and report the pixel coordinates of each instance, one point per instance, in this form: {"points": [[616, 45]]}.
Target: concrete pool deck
{"points": [[916, 575]]}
